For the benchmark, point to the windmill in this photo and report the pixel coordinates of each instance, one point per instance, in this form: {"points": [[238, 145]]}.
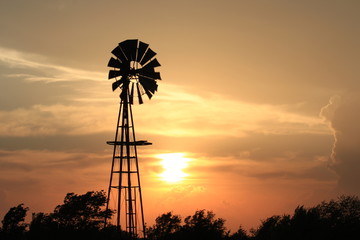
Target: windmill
{"points": [[135, 76]]}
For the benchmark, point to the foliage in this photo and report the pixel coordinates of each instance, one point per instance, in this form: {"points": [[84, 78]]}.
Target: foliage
{"points": [[13, 226], [341, 218], [81, 217], [202, 225], [43, 226], [165, 226], [82, 212], [329, 220], [240, 234]]}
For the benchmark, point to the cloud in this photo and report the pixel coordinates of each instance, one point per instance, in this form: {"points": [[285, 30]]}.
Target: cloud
{"points": [[174, 111], [179, 112], [290, 167], [58, 119], [42, 69], [342, 114], [41, 178], [178, 193], [67, 114]]}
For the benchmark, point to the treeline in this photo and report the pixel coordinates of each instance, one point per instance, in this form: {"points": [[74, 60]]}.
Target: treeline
{"points": [[82, 217], [337, 219]]}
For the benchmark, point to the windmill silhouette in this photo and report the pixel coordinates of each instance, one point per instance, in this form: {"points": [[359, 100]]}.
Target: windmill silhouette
{"points": [[134, 73]]}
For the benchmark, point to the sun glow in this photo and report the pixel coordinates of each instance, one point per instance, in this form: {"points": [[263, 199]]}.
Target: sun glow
{"points": [[173, 165]]}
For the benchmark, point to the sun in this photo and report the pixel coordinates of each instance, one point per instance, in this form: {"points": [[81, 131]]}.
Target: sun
{"points": [[173, 165]]}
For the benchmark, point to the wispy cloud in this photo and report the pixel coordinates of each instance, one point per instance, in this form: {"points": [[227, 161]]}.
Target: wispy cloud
{"points": [[43, 120], [174, 111], [47, 72], [187, 115], [182, 113]]}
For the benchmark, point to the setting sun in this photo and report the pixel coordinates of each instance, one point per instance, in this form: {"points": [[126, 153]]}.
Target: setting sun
{"points": [[173, 165]]}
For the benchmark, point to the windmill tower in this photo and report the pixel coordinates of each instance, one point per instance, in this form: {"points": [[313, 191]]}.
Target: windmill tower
{"points": [[133, 71]]}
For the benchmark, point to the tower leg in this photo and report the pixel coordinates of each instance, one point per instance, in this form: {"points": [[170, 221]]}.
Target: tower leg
{"points": [[125, 177]]}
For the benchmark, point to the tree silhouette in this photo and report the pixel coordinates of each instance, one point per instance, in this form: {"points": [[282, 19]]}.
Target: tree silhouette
{"points": [[329, 220], [341, 218], [82, 212], [204, 225], [43, 226], [268, 228], [81, 217], [240, 234], [165, 226], [13, 226]]}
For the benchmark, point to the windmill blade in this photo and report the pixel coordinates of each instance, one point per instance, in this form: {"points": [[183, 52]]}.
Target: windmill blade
{"points": [[119, 54], [150, 75], [141, 50], [148, 84], [143, 72], [151, 65], [139, 93], [148, 55], [117, 84], [114, 73], [115, 63], [129, 47], [133, 64], [131, 96], [148, 93]]}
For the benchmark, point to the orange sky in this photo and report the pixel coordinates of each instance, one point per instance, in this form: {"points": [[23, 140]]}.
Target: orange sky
{"points": [[261, 97]]}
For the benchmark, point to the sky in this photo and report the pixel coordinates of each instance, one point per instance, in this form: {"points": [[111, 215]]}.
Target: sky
{"points": [[258, 103]]}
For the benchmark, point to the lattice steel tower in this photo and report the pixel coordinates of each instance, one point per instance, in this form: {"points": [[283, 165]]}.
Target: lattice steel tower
{"points": [[133, 71]]}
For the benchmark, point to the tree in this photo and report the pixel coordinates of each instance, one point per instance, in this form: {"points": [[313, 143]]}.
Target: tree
{"points": [[13, 226], [336, 219], [240, 234], [204, 225], [341, 218], [306, 224], [82, 212], [165, 226], [267, 229], [43, 226]]}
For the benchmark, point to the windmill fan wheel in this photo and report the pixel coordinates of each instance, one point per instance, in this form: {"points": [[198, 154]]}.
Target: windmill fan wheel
{"points": [[134, 70]]}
